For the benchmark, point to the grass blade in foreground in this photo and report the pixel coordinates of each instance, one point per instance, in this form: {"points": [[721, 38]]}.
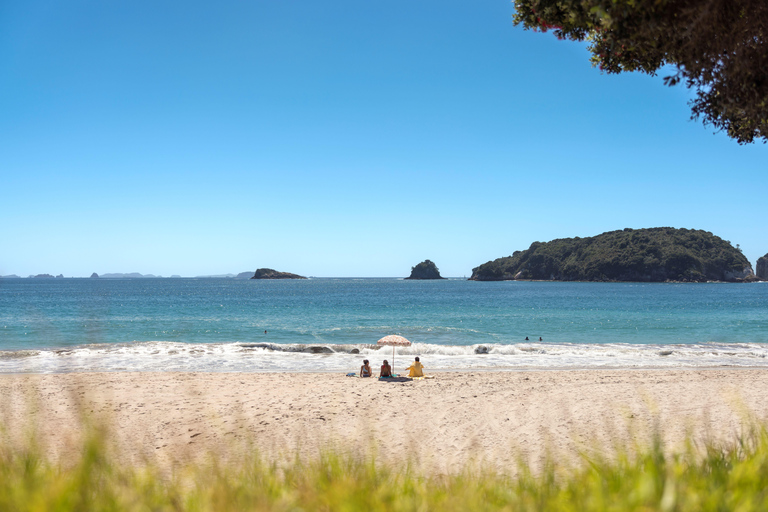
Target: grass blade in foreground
{"points": [[714, 478]]}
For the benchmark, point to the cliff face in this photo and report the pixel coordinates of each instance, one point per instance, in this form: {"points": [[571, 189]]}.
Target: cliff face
{"points": [[762, 268], [425, 270], [644, 255], [268, 273]]}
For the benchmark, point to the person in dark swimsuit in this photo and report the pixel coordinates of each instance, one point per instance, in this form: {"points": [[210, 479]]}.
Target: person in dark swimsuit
{"points": [[386, 370]]}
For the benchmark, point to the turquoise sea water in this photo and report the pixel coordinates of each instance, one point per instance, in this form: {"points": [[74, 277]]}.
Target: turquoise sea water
{"points": [[49, 325]]}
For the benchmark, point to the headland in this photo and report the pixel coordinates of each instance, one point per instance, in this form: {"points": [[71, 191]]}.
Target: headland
{"points": [[636, 255]]}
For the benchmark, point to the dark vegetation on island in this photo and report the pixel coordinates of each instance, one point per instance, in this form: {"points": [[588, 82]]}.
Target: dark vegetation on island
{"points": [[641, 255], [717, 48], [268, 273], [425, 270]]}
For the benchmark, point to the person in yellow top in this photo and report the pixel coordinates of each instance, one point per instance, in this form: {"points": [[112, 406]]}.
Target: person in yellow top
{"points": [[415, 370]]}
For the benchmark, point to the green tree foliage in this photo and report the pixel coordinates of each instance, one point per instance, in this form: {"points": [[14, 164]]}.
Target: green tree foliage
{"points": [[718, 48], [646, 255]]}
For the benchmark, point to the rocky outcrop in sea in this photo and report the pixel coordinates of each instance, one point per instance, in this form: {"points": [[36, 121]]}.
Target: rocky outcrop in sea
{"points": [[269, 273], [761, 269], [425, 270]]}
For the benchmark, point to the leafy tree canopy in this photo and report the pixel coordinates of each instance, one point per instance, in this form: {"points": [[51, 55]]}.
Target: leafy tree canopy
{"points": [[718, 48]]}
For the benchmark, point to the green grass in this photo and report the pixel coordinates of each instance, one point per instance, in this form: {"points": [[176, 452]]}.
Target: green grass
{"points": [[704, 478]]}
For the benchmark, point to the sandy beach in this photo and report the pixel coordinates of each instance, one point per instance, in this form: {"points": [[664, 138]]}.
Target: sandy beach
{"points": [[439, 424]]}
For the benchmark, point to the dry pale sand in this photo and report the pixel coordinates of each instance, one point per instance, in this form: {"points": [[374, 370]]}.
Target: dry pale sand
{"points": [[444, 423]]}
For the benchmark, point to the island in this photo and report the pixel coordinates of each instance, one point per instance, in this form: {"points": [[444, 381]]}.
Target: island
{"points": [[761, 269], [94, 276], [425, 270], [268, 273], [131, 275], [641, 255]]}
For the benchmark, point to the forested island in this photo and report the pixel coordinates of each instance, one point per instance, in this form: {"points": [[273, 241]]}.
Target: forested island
{"points": [[425, 270], [643, 255], [268, 273]]}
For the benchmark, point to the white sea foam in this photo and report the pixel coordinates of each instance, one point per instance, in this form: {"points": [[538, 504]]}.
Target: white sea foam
{"points": [[267, 357]]}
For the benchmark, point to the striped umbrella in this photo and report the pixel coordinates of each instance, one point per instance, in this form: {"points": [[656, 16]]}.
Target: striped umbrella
{"points": [[395, 341]]}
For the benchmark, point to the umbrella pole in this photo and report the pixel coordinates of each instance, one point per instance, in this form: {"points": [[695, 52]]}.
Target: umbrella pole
{"points": [[393, 359]]}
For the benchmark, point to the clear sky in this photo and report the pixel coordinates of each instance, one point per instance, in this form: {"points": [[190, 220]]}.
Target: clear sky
{"points": [[340, 138]]}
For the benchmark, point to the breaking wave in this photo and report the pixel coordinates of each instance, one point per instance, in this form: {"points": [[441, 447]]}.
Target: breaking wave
{"points": [[295, 357]]}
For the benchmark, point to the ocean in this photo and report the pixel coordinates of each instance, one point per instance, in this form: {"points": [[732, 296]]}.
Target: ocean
{"points": [[330, 325]]}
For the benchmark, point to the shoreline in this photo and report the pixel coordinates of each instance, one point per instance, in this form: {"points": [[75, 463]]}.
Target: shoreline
{"points": [[277, 357], [440, 424], [429, 371]]}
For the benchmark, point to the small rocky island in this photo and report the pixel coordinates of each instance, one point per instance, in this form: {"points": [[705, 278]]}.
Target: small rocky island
{"points": [[268, 273], [761, 269], [639, 255], [425, 270]]}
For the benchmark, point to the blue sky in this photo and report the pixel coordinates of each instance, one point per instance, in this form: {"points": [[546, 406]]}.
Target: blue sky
{"points": [[334, 139]]}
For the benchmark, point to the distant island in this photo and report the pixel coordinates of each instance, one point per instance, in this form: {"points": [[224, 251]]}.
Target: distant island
{"points": [[268, 273], [425, 270], [132, 275], [241, 275], [641, 255]]}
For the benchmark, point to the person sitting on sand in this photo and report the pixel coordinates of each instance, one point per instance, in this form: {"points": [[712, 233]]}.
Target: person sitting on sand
{"points": [[365, 370], [415, 370], [386, 370]]}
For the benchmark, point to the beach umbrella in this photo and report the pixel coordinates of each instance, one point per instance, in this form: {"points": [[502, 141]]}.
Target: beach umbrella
{"points": [[395, 341]]}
